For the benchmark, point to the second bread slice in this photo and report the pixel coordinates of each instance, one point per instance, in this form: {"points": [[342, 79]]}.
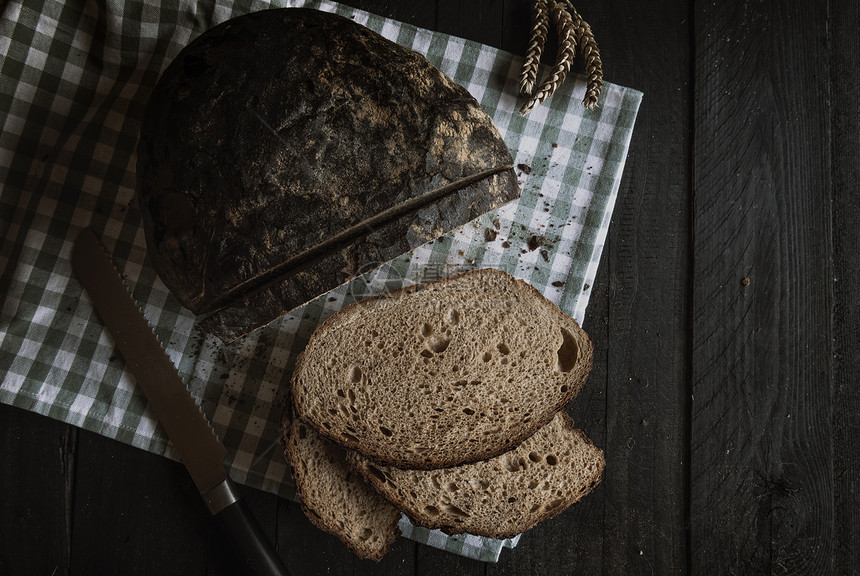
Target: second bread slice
{"points": [[501, 497]]}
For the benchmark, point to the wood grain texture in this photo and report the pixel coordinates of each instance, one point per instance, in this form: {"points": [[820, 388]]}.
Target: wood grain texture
{"points": [[135, 513], [761, 476], [844, 44], [34, 515], [646, 298]]}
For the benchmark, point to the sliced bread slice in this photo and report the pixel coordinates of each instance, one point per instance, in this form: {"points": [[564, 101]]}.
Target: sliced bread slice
{"points": [[336, 498], [443, 373], [497, 498]]}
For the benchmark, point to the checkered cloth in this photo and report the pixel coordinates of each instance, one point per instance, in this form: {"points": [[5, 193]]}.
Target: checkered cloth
{"points": [[73, 84]]}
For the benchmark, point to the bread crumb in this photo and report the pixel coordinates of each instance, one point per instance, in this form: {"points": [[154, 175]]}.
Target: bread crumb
{"points": [[536, 241], [745, 282]]}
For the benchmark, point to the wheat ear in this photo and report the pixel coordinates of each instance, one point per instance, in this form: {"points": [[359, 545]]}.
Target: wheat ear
{"points": [[540, 25], [564, 58], [593, 66]]}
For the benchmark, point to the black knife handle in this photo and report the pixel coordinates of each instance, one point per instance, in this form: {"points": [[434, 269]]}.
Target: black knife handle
{"points": [[234, 515], [259, 555]]}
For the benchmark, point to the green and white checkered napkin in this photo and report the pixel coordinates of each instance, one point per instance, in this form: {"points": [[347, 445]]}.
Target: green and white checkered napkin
{"points": [[73, 84]]}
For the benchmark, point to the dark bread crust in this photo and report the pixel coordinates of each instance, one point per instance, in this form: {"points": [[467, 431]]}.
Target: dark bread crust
{"points": [[487, 449], [278, 130]]}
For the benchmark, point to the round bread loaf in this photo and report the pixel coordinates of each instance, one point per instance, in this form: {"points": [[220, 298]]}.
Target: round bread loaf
{"points": [[283, 151]]}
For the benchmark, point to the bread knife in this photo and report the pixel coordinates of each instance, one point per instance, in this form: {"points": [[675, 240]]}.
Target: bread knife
{"points": [[187, 427]]}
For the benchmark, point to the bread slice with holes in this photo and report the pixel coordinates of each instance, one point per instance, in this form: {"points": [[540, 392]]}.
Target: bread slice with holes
{"points": [[500, 497], [336, 498], [441, 374]]}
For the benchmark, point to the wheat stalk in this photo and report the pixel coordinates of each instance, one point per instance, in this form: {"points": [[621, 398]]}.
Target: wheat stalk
{"points": [[540, 25], [572, 30], [564, 58], [593, 66]]}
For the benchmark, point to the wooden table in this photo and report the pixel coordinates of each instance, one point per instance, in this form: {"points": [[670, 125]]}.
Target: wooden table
{"points": [[726, 387]]}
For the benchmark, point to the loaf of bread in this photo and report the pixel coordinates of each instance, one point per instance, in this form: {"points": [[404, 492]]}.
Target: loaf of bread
{"points": [[500, 497], [285, 151], [336, 498], [441, 374]]}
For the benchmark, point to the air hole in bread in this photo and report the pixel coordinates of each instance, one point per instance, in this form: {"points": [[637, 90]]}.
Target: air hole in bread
{"points": [[487, 357], [451, 509], [439, 345], [564, 388], [377, 473], [453, 316], [567, 353], [385, 431], [534, 456], [551, 460], [341, 393], [349, 437], [427, 353], [426, 330], [503, 348], [355, 374], [366, 534], [554, 504], [452, 487], [512, 499], [532, 485], [468, 411], [512, 465], [431, 510]]}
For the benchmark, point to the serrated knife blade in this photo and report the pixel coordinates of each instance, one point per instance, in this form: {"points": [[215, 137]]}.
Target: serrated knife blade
{"points": [[195, 441]]}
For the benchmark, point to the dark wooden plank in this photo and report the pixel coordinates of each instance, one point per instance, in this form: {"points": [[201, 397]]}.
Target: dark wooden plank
{"points": [[478, 21], [844, 21], [137, 513], [762, 477], [37, 454], [644, 301]]}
